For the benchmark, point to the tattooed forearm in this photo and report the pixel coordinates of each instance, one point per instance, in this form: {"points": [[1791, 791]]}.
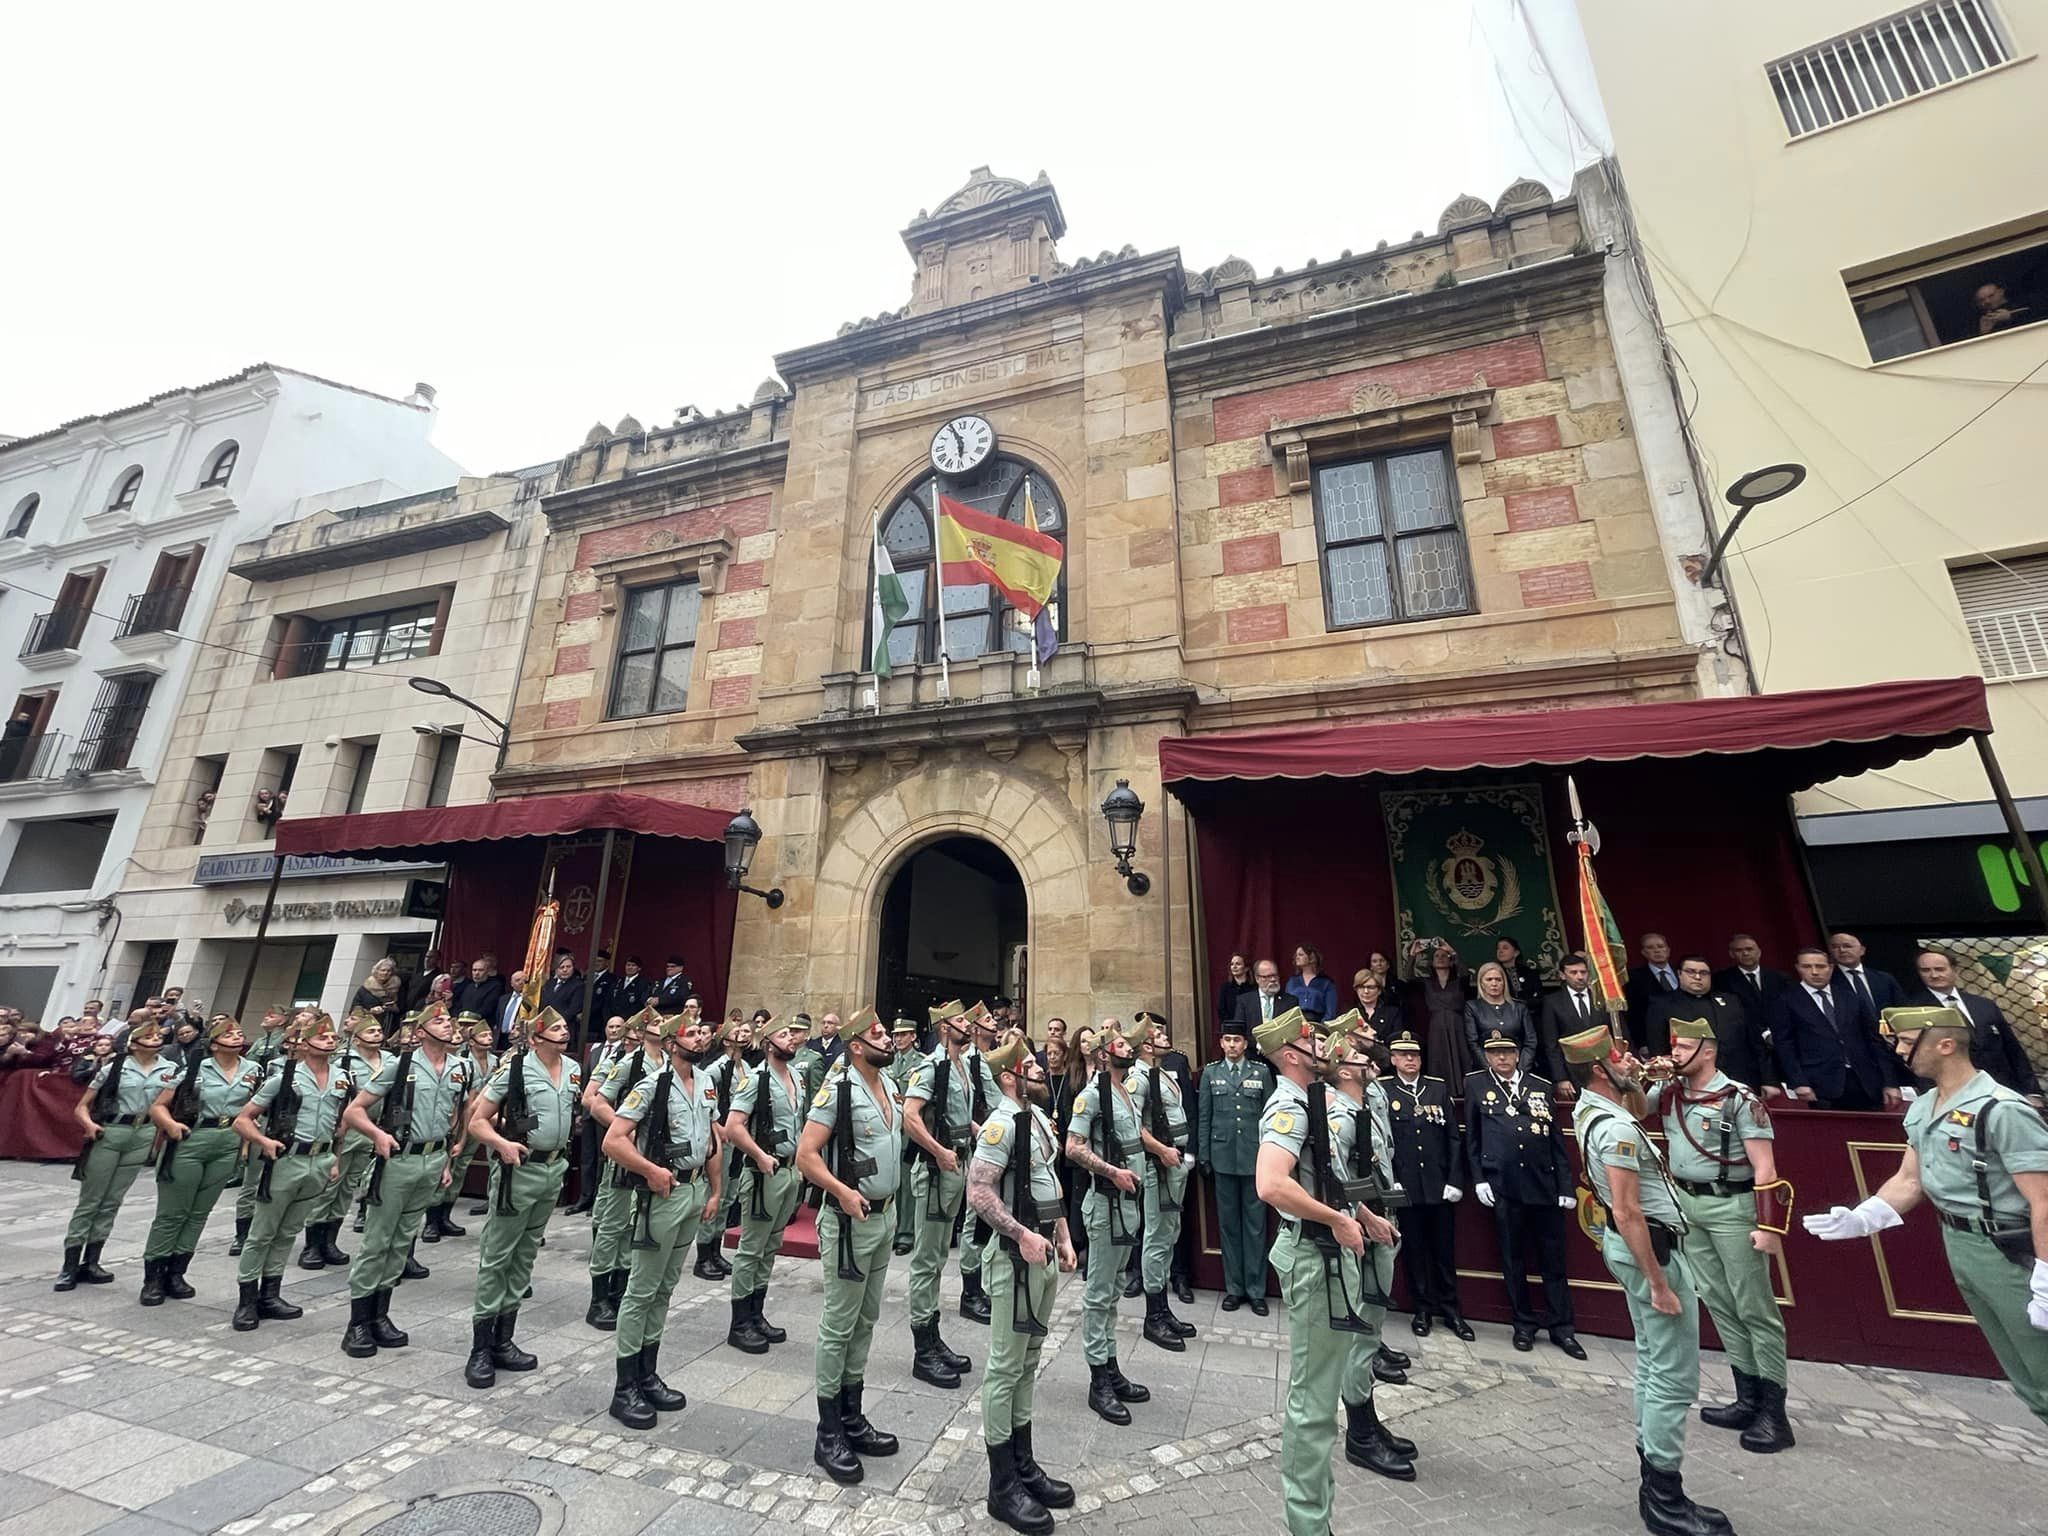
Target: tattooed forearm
{"points": [[1079, 1154], [984, 1197]]}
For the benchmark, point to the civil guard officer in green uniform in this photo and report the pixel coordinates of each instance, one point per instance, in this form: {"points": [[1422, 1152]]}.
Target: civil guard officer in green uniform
{"points": [[114, 1112], [1164, 1133], [1013, 1185], [362, 1052], [1102, 1142], [1642, 1242], [937, 1109], [639, 1056], [851, 1151], [664, 1138], [903, 1036], [290, 1124], [417, 1094], [526, 1114], [766, 1118], [269, 1043], [197, 1156], [1979, 1153], [1233, 1091], [1717, 1138]]}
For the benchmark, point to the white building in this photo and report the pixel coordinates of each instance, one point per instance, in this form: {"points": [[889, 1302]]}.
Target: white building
{"points": [[118, 532]]}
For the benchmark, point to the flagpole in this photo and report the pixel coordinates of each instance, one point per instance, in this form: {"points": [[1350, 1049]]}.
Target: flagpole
{"points": [[939, 597], [874, 697], [1032, 679]]}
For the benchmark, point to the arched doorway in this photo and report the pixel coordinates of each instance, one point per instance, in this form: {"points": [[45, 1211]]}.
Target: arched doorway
{"points": [[954, 924]]}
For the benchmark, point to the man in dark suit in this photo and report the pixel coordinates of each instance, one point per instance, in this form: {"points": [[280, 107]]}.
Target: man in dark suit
{"points": [[634, 990], [674, 989], [1825, 1038], [1522, 1172], [1878, 989], [1656, 977], [1748, 980], [1571, 1008], [482, 991], [1268, 1000], [1993, 1045], [507, 1016], [604, 987], [563, 992], [1741, 1050], [1429, 1161]]}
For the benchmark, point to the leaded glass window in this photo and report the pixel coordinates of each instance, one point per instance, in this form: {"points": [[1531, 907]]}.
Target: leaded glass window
{"points": [[1392, 540]]}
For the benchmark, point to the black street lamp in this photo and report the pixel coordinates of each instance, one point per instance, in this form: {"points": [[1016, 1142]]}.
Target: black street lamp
{"points": [[434, 687], [1746, 494], [1122, 808], [742, 836]]}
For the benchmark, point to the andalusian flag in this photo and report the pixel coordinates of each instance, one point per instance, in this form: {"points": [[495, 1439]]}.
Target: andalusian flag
{"points": [[1603, 936], [1019, 562], [891, 604]]}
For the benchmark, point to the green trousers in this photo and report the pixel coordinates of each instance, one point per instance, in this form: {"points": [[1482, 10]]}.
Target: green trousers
{"points": [[245, 1192], [1996, 1291], [1241, 1233], [412, 1182], [110, 1170], [761, 1237], [1374, 1277], [1012, 1367], [1105, 1277], [1318, 1356], [355, 1157], [1165, 1190], [1667, 1352], [610, 1215], [673, 1224], [934, 1234], [1734, 1282], [512, 1237], [204, 1163], [847, 1325], [297, 1186]]}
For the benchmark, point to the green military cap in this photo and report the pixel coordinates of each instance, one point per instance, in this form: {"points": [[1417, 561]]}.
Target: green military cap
{"points": [[648, 1017], [470, 1016], [980, 1017], [315, 1025], [1405, 1041], [219, 1025], [904, 1026], [1282, 1030], [1148, 1018], [666, 1026], [1004, 1058], [1496, 1041], [859, 1022], [1595, 1044], [1909, 1021], [1692, 1029], [1345, 1022], [947, 1011], [1337, 1045], [543, 1020], [360, 1019]]}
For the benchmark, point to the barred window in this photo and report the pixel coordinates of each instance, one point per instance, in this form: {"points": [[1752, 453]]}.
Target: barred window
{"points": [[1392, 539], [1892, 60], [2005, 608]]}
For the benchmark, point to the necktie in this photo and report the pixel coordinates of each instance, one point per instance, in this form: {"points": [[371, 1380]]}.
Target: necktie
{"points": [[1955, 1001], [1827, 1010], [1664, 975], [1579, 999], [1752, 978], [1862, 985]]}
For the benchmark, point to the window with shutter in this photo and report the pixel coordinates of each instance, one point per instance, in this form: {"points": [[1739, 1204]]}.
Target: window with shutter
{"points": [[2005, 608]]}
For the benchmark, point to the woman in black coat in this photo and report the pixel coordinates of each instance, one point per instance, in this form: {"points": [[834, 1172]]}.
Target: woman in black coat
{"points": [[1379, 1012], [1438, 1009], [1235, 986], [1495, 1009]]}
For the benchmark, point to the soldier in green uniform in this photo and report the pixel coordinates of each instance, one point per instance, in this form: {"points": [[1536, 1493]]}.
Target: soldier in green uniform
{"points": [[300, 1103], [1717, 1138], [528, 1120], [639, 1056], [664, 1137], [114, 1112], [1102, 1142], [197, 1157], [1163, 1132], [1013, 1185], [903, 1036], [269, 1043], [937, 1107], [986, 1030], [1642, 1244], [1233, 1092], [851, 1151], [766, 1118], [417, 1093], [1978, 1152], [809, 1062], [361, 1054], [731, 1042]]}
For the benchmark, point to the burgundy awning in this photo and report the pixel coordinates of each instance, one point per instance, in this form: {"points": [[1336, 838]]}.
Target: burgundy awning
{"points": [[432, 833], [1803, 739]]}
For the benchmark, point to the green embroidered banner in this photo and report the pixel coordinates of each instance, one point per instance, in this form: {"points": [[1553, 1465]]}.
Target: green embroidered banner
{"points": [[1472, 865]]}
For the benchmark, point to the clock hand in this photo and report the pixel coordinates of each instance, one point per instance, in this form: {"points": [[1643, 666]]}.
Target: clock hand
{"points": [[959, 442]]}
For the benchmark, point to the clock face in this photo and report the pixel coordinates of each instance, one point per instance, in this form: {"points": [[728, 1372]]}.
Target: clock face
{"points": [[962, 445]]}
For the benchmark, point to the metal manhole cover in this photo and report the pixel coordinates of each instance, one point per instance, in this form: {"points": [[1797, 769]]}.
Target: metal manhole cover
{"points": [[465, 1514]]}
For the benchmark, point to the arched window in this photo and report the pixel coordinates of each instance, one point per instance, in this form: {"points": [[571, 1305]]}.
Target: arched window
{"points": [[24, 517], [125, 492], [223, 465], [977, 618]]}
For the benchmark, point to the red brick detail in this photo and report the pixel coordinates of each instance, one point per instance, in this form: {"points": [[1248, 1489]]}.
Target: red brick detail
{"points": [[747, 574], [579, 605], [1512, 439], [724, 794], [1548, 585], [1551, 507], [742, 517], [563, 713], [572, 658], [1242, 485], [1258, 552], [1517, 360], [734, 633], [1248, 626], [732, 693]]}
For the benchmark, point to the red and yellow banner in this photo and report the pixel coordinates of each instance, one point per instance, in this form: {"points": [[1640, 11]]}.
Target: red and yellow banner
{"points": [[1603, 936], [1021, 563]]}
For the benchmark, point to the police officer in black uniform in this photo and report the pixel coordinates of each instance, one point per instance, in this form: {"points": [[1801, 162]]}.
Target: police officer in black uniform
{"points": [[1429, 1162]]}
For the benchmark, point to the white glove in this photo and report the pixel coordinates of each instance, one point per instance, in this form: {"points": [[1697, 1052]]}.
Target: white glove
{"points": [[1867, 1220], [1567, 1203], [2037, 1309], [1485, 1192], [1453, 1194]]}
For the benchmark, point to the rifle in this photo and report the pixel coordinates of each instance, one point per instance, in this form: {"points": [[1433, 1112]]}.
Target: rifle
{"points": [[1026, 1210], [849, 1167], [1339, 1193], [280, 1123], [106, 1103], [183, 1108], [941, 1130], [394, 1116], [767, 1136], [1110, 1150], [1378, 1198], [516, 1123], [1155, 1122], [977, 1111], [656, 1145]]}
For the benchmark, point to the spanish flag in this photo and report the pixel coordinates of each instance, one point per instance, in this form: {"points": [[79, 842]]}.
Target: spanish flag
{"points": [[1021, 563]]}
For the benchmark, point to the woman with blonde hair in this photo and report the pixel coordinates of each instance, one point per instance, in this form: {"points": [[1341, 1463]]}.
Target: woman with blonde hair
{"points": [[382, 993], [1496, 1012]]}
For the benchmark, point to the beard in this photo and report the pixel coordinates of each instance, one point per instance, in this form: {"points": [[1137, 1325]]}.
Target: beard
{"points": [[1036, 1093], [689, 1056], [878, 1055], [780, 1054]]}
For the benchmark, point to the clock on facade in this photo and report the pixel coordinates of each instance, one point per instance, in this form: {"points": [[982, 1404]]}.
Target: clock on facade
{"points": [[962, 445]]}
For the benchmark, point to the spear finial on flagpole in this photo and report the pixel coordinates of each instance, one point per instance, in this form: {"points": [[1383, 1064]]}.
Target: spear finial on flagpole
{"points": [[1583, 831]]}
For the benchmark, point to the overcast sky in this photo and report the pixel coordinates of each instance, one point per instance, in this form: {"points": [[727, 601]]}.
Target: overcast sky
{"points": [[557, 215]]}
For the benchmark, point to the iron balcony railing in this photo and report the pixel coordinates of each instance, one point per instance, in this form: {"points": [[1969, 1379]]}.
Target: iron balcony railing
{"points": [[150, 613], [28, 759], [57, 630]]}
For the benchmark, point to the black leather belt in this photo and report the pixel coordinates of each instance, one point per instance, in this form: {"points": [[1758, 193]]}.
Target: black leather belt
{"points": [[544, 1159], [1980, 1226], [217, 1123], [1716, 1186], [418, 1148], [309, 1148], [141, 1119]]}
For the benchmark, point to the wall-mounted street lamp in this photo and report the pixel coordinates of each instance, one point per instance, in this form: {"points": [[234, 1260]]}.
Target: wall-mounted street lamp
{"points": [[1745, 495], [434, 687], [1122, 809], [742, 837]]}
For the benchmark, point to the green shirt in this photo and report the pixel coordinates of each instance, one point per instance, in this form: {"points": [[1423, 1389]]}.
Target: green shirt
{"points": [[1284, 1124], [319, 1113], [436, 1094], [809, 1066], [1382, 1134], [552, 1104], [222, 1096], [1944, 1137], [1123, 1123], [1233, 1094], [1170, 1101], [139, 1085], [1611, 1137], [997, 1149], [1694, 1133], [691, 1107], [877, 1116], [959, 1094], [786, 1097], [612, 1086]]}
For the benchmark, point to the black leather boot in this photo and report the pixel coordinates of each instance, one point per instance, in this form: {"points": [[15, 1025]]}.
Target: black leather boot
{"points": [[1401, 1445], [382, 1329], [310, 1256], [1185, 1330], [1127, 1391], [658, 1393], [1102, 1396], [711, 1263], [1390, 1366], [246, 1310], [1009, 1501], [831, 1451], [1134, 1286], [332, 1254], [1049, 1491], [430, 1228], [174, 1283], [601, 1314], [956, 1362], [505, 1354], [67, 1277], [973, 1298], [89, 1271], [272, 1305], [628, 1406], [414, 1269], [926, 1363], [1366, 1445], [742, 1334], [1159, 1327], [861, 1436], [767, 1330], [357, 1342], [448, 1227], [152, 1282], [241, 1237], [1739, 1414], [1394, 1357], [1771, 1431], [482, 1370], [1666, 1511]]}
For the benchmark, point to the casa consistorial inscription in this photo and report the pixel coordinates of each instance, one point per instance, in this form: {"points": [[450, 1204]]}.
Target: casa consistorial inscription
{"points": [[1052, 358]]}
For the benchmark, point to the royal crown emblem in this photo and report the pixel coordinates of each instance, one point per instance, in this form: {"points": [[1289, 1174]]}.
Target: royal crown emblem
{"points": [[1471, 889]]}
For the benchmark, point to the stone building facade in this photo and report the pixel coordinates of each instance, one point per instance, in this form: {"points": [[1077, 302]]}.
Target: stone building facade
{"points": [[1394, 483]]}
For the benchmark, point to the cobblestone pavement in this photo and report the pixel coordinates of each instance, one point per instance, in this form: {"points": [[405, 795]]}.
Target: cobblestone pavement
{"points": [[118, 1420]]}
